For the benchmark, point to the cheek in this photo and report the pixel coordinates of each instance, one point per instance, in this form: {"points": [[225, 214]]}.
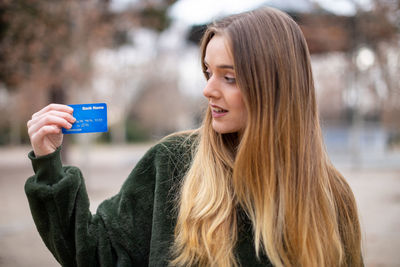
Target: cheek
{"points": [[241, 112], [238, 102]]}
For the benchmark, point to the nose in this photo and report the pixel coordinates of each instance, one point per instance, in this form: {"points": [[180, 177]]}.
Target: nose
{"points": [[211, 90]]}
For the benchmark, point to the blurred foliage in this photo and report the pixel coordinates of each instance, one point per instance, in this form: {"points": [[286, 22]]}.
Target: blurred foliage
{"points": [[46, 47], [4, 135], [6, 132], [104, 137], [380, 24], [156, 18], [135, 132], [54, 40], [49, 40], [394, 140]]}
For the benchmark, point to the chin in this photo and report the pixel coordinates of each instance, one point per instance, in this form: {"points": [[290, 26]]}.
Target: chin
{"points": [[224, 129]]}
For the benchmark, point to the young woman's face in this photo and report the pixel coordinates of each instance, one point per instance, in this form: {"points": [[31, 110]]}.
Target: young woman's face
{"points": [[228, 110]]}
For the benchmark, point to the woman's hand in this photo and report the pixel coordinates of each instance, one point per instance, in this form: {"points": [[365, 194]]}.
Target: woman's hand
{"points": [[44, 128]]}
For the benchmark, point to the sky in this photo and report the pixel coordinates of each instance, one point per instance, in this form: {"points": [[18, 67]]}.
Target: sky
{"points": [[201, 12]]}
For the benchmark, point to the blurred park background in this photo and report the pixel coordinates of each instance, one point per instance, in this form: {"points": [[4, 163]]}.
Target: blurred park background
{"points": [[141, 58]]}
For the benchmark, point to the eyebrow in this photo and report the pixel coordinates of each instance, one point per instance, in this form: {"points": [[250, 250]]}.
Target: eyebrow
{"points": [[223, 66]]}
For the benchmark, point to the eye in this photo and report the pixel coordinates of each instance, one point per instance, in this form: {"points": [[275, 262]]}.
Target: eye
{"points": [[230, 79], [207, 74]]}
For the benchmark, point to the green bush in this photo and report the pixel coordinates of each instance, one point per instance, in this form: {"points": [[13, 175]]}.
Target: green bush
{"points": [[135, 132]]}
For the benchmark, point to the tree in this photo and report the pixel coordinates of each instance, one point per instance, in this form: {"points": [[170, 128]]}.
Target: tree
{"points": [[46, 46]]}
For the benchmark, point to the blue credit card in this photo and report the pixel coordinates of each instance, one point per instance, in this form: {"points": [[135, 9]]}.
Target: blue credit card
{"points": [[90, 118]]}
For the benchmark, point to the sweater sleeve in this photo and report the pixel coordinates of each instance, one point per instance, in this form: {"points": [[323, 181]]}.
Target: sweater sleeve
{"points": [[117, 235]]}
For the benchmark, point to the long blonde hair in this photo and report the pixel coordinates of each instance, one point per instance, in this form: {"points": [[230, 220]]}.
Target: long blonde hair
{"points": [[302, 210]]}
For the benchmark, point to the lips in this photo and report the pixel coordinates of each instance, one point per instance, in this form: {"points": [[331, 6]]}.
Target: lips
{"points": [[217, 111]]}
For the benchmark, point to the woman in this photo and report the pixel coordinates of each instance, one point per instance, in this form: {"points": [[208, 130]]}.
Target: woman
{"points": [[252, 187]]}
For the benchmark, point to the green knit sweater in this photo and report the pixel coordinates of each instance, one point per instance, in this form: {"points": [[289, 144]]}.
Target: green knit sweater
{"points": [[133, 228]]}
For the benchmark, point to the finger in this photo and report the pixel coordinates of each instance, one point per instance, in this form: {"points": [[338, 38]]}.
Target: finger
{"points": [[58, 107], [61, 114], [44, 131], [49, 120]]}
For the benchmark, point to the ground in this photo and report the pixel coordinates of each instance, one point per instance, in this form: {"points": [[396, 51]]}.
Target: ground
{"points": [[377, 191]]}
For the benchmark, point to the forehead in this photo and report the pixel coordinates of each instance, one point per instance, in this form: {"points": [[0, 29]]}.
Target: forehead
{"points": [[218, 51]]}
